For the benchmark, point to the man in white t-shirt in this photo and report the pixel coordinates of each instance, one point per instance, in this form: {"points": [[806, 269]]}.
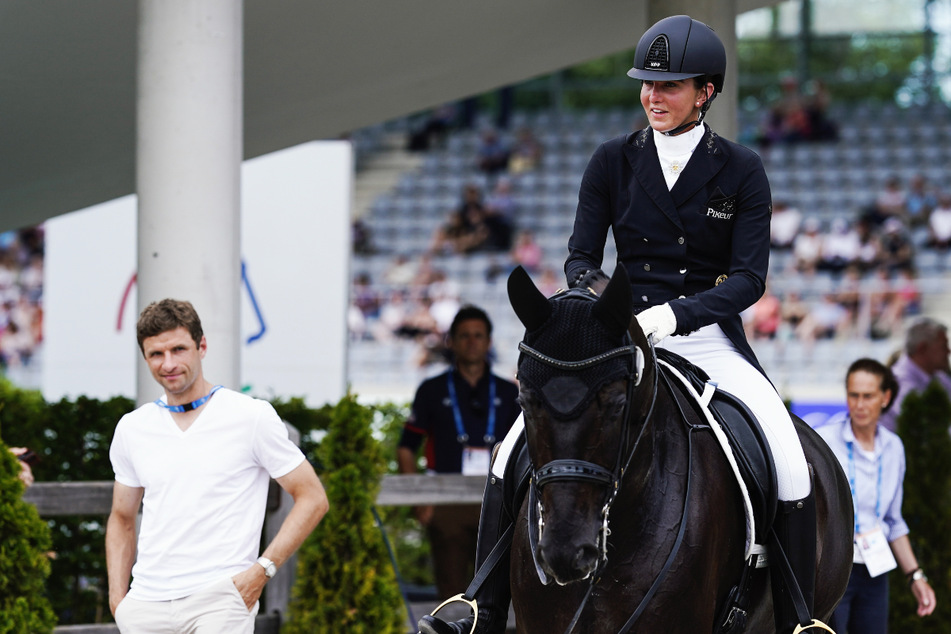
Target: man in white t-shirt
{"points": [[199, 460]]}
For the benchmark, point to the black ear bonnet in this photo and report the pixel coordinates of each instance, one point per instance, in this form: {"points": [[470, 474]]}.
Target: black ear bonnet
{"points": [[574, 344]]}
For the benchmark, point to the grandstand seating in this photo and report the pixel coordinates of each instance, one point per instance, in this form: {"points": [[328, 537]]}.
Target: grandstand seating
{"points": [[826, 180]]}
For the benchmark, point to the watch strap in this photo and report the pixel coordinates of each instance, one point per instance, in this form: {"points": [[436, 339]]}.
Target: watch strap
{"points": [[269, 568]]}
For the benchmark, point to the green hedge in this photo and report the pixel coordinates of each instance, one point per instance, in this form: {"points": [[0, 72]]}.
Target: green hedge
{"points": [[24, 561], [923, 427]]}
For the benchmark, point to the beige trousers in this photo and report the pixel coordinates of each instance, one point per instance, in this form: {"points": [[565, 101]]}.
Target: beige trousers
{"points": [[213, 610]]}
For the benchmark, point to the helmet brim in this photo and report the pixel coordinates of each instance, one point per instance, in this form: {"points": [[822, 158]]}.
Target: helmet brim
{"points": [[656, 75]]}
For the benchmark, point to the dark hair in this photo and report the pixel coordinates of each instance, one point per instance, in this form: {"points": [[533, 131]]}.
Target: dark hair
{"points": [[887, 380], [470, 312], [165, 315]]}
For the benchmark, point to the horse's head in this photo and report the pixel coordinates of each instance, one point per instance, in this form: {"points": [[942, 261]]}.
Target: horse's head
{"points": [[577, 370]]}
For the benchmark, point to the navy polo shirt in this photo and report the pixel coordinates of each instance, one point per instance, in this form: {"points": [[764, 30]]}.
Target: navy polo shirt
{"points": [[432, 419]]}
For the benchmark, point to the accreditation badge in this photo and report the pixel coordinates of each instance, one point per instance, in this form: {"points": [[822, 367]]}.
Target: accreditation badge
{"points": [[875, 552], [475, 461]]}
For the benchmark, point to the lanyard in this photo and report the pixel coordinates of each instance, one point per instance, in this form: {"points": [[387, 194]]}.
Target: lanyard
{"points": [[187, 407], [878, 487], [461, 434]]}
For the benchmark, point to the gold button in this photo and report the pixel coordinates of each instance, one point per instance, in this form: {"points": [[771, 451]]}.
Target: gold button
{"points": [[647, 267], [721, 279]]}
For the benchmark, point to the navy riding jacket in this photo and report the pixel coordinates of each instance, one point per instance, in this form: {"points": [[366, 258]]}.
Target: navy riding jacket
{"points": [[702, 247]]}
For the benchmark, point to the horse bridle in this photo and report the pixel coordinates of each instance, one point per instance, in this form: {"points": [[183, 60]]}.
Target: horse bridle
{"points": [[574, 470], [586, 471]]}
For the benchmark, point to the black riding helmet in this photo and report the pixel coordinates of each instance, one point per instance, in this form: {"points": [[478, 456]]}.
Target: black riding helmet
{"points": [[680, 47]]}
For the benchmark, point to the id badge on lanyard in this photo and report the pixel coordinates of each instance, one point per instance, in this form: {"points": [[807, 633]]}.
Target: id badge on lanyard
{"points": [[475, 460], [871, 546]]}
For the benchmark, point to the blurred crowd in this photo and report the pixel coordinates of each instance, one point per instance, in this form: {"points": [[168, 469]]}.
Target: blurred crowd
{"points": [[21, 296]]}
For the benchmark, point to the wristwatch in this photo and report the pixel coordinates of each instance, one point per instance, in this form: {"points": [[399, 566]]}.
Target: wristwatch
{"points": [[269, 568], [917, 575]]}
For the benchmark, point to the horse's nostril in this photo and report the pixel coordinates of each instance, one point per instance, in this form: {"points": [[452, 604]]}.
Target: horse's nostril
{"points": [[586, 559]]}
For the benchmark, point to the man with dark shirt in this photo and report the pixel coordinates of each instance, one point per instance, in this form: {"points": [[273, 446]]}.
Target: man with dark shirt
{"points": [[460, 414]]}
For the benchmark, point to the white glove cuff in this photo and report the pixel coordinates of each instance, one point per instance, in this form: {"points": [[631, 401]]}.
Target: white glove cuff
{"points": [[658, 321]]}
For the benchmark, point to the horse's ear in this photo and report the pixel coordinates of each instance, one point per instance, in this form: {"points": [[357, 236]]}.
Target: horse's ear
{"points": [[531, 306], [614, 307]]}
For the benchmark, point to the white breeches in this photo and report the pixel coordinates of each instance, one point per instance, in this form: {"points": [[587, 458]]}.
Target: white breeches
{"points": [[712, 351]]}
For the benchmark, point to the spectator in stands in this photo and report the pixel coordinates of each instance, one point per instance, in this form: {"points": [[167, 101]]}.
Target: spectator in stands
{"points": [[874, 458], [886, 306], [870, 245], [31, 278], [434, 129], [908, 291], [466, 229], [365, 296], [784, 226], [796, 318], [840, 247], [361, 238], [821, 127], [459, 415], [939, 223], [764, 317], [807, 246], [889, 202], [526, 152], [829, 319], [787, 120], [919, 201], [923, 360], [527, 252], [401, 272], [493, 153], [501, 202], [897, 249]]}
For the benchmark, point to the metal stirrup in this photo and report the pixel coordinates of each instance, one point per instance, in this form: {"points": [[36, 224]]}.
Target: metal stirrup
{"points": [[816, 623], [473, 605]]}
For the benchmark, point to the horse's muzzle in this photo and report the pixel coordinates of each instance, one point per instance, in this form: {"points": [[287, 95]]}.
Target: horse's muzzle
{"points": [[566, 560]]}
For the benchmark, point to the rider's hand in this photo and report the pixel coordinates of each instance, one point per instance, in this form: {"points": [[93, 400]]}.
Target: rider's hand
{"points": [[658, 321]]}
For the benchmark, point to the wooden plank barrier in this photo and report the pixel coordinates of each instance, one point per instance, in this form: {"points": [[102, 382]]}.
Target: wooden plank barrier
{"points": [[57, 499]]}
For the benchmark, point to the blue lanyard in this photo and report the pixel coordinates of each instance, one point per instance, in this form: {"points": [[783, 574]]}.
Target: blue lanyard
{"points": [[878, 488], [187, 407], [461, 434]]}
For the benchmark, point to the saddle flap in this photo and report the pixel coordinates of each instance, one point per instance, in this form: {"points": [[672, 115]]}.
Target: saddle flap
{"points": [[747, 441]]}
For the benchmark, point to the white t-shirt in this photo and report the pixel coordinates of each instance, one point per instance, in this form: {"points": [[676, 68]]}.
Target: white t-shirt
{"points": [[205, 489]]}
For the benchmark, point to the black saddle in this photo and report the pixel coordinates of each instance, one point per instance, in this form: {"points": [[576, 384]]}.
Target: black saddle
{"points": [[747, 439]]}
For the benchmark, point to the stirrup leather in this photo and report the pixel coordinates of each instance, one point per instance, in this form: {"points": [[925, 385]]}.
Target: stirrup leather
{"points": [[473, 605], [816, 623]]}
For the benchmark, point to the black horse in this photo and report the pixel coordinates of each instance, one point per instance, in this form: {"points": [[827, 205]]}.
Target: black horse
{"points": [[634, 522]]}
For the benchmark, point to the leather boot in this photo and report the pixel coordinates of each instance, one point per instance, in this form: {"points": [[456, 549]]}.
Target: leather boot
{"points": [[795, 528], [494, 595]]}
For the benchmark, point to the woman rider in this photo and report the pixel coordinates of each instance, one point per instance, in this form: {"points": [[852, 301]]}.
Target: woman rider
{"points": [[690, 214]]}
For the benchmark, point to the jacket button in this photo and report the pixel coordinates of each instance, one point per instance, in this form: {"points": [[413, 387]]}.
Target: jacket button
{"points": [[643, 298], [683, 271], [682, 297], [680, 240], [647, 267]]}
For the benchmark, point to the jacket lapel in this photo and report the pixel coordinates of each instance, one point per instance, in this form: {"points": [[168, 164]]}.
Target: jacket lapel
{"points": [[642, 155], [708, 159]]}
